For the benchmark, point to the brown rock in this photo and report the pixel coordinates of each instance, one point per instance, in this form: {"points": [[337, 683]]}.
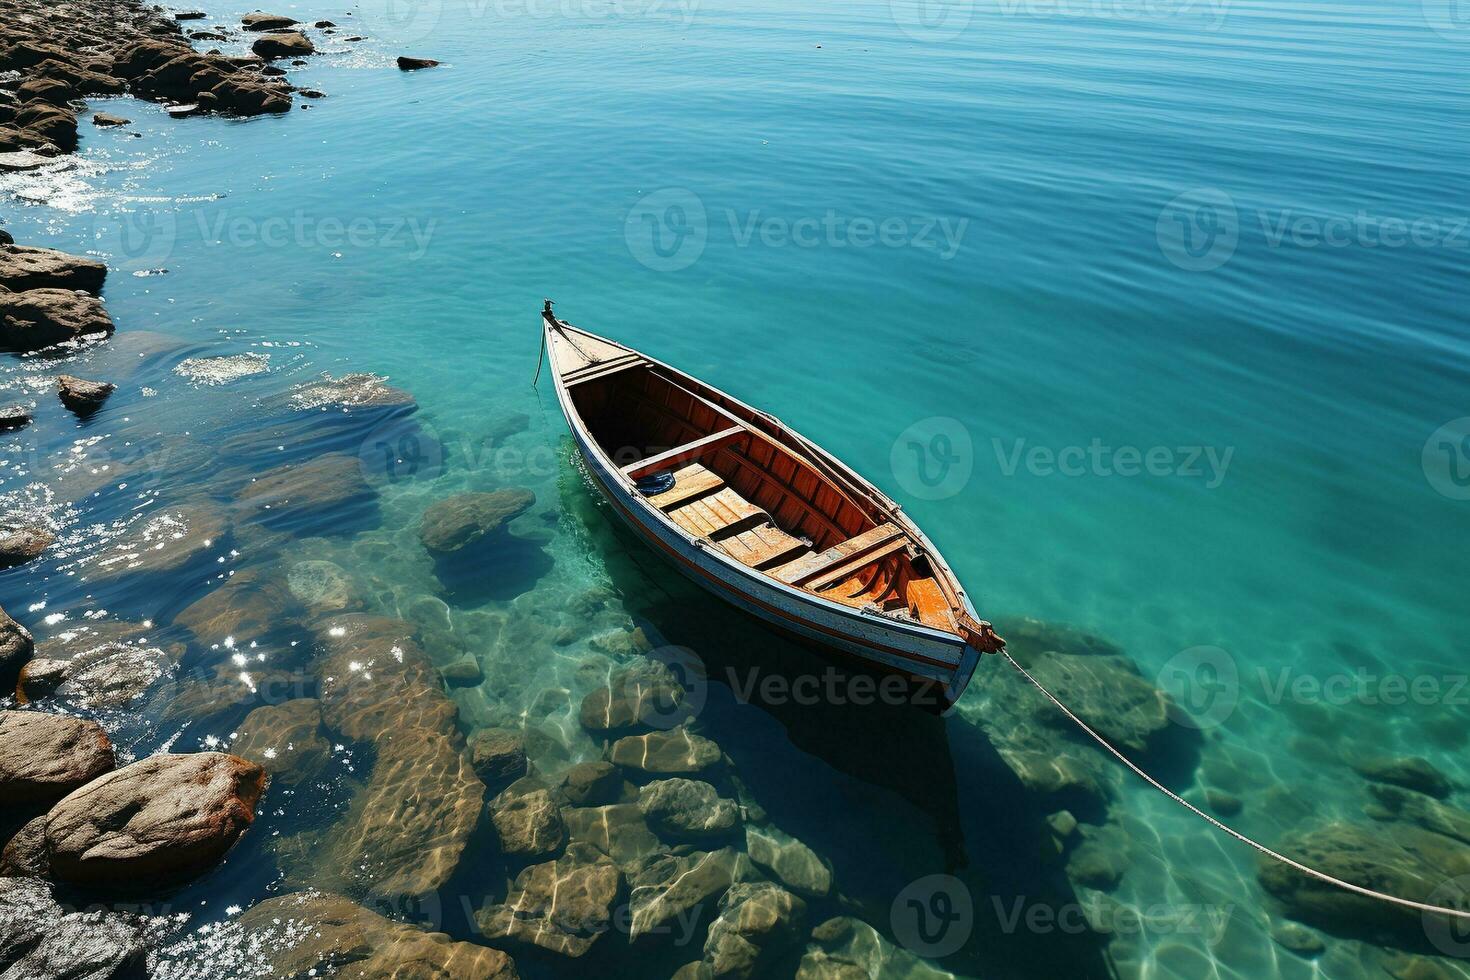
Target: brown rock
{"points": [[677, 752], [40, 318], [23, 267], [321, 934], [16, 649], [287, 740], [166, 818], [283, 44], [415, 64], [52, 123], [305, 490], [528, 822], [260, 21], [170, 540], [451, 524], [25, 853], [82, 396], [250, 605], [563, 906], [44, 757], [108, 119], [498, 755], [14, 417], [23, 544], [40, 679]]}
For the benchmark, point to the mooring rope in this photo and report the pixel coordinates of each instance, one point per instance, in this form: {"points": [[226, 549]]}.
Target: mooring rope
{"points": [[1311, 872]]}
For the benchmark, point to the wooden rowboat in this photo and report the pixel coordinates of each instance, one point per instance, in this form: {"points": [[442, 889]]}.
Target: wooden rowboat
{"points": [[761, 516]]}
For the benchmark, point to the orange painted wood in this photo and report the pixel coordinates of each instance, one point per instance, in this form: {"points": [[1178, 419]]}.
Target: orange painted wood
{"points": [[799, 571], [850, 568]]}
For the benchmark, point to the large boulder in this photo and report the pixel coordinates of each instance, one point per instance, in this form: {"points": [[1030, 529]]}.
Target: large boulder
{"points": [[44, 757], [789, 860], [283, 44], [563, 906], [249, 605], [619, 831], [16, 649], [23, 544], [377, 682], [55, 124], [1409, 772], [306, 493], [465, 518], [667, 888], [498, 755], [1397, 859], [850, 949], [40, 318], [286, 740], [163, 819], [757, 922], [357, 390], [317, 933], [674, 753], [165, 542], [687, 809], [261, 21], [23, 267], [40, 940], [528, 821], [645, 695]]}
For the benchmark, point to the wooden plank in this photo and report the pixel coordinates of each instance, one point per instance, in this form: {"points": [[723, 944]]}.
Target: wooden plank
{"points": [[928, 604], [691, 482], [802, 569], [850, 568], [682, 454], [593, 372]]}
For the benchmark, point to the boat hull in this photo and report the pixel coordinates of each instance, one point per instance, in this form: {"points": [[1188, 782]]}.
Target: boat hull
{"points": [[935, 660]]}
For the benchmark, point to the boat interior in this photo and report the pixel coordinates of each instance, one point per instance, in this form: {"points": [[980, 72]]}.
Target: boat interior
{"points": [[731, 477]]}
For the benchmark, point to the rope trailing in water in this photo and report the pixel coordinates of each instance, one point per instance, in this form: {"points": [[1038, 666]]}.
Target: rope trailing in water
{"points": [[1311, 872], [539, 358]]}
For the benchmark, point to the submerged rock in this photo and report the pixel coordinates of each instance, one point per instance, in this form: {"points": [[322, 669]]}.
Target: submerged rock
{"points": [[498, 755], [322, 586], [415, 64], [249, 605], [1391, 803], [41, 318], [222, 370], [315, 933], [850, 949], [687, 809], [1413, 773], [286, 740], [563, 906], [358, 390], [165, 543], [164, 819], [23, 544], [668, 887], [645, 695], [14, 417], [108, 665], [82, 396], [591, 783], [789, 860], [1297, 939], [309, 490], [528, 821], [39, 940], [757, 922], [619, 831], [1397, 859], [465, 518], [44, 757], [24, 267], [677, 752]]}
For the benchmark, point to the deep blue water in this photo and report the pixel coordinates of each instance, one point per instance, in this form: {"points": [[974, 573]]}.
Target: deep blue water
{"points": [[1178, 287]]}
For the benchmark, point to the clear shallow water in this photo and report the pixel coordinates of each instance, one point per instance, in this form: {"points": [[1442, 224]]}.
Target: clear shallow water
{"points": [[1034, 287]]}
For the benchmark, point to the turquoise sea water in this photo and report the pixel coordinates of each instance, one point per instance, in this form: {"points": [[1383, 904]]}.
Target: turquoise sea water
{"points": [[1148, 313]]}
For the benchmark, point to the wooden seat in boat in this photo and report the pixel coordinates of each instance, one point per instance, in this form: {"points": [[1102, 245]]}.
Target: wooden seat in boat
{"points": [[703, 505], [842, 560]]}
